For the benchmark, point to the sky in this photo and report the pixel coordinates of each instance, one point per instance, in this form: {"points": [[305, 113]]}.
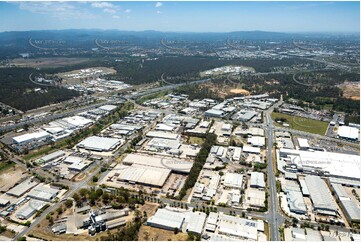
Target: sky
{"points": [[277, 16]]}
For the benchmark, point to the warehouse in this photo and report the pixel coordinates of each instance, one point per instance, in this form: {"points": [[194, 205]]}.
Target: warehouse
{"points": [[164, 144], [303, 144], [254, 131], [108, 108], [51, 156], [78, 121], [239, 227], [295, 202], [43, 193], [349, 207], [244, 116], [143, 175], [174, 164], [196, 221], [22, 188], [100, 144], [162, 135], [322, 200], [165, 219], [165, 127], [257, 180], [233, 180], [255, 198], [215, 113], [30, 209], [251, 150], [349, 133], [256, 141], [31, 137], [334, 164], [211, 223]]}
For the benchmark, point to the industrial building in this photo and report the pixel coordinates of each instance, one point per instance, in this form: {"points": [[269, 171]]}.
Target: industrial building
{"points": [[322, 200], [100, 144], [257, 180], [238, 227], [349, 133], [142, 175], [158, 144], [315, 162], [22, 188], [214, 113], [257, 141], [51, 156], [43, 193], [31, 137], [196, 221], [162, 135], [30, 209], [294, 197], [303, 144], [349, 206], [233, 180], [174, 164], [166, 219]]}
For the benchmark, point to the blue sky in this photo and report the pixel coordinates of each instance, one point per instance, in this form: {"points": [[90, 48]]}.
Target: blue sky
{"points": [[183, 16]]}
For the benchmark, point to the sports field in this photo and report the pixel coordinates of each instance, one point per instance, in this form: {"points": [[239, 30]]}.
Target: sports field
{"points": [[302, 124]]}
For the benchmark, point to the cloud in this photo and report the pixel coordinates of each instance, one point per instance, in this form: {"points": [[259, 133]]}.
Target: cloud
{"points": [[62, 10], [115, 16], [127, 11], [109, 10], [158, 4], [102, 5], [159, 12], [106, 6]]}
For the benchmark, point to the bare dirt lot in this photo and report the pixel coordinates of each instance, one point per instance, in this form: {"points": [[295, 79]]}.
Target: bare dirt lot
{"points": [[48, 62], [351, 90], [239, 91], [149, 233], [10, 176], [224, 89]]}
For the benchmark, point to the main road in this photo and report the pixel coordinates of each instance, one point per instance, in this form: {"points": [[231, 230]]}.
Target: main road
{"points": [[9, 128]]}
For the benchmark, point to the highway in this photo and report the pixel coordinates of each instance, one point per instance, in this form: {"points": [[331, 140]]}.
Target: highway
{"points": [[49, 118]]}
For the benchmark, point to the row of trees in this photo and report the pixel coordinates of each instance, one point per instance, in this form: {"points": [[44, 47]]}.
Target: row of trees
{"points": [[199, 161]]}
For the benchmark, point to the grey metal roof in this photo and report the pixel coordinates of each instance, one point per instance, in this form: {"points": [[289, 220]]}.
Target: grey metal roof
{"points": [[320, 194]]}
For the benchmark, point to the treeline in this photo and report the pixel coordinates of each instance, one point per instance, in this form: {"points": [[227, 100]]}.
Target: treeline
{"points": [[137, 72], [198, 92], [199, 161], [17, 90]]}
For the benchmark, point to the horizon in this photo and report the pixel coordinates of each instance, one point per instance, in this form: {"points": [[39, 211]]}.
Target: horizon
{"points": [[183, 17]]}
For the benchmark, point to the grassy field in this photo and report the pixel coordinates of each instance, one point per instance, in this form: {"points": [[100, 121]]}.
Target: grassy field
{"points": [[6, 165], [196, 140], [302, 124]]}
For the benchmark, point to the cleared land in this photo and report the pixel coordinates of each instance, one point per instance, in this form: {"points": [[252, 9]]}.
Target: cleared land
{"points": [[148, 233], [302, 124], [351, 91], [10, 174], [48, 62]]}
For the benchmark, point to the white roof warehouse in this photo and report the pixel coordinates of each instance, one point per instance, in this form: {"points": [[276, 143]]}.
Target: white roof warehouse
{"points": [[101, 144]]}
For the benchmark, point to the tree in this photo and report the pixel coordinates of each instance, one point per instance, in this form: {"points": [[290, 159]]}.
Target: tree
{"points": [[69, 203], [176, 230]]}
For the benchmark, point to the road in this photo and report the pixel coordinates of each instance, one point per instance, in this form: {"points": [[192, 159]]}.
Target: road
{"points": [[82, 109], [275, 218]]}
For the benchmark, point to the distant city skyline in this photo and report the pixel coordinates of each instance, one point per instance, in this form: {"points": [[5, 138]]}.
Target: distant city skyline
{"points": [[182, 16]]}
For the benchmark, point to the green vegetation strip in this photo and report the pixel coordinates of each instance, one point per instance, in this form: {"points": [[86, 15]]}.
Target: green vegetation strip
{"points": [[6, 165], [302, 124], [198, 164]]}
